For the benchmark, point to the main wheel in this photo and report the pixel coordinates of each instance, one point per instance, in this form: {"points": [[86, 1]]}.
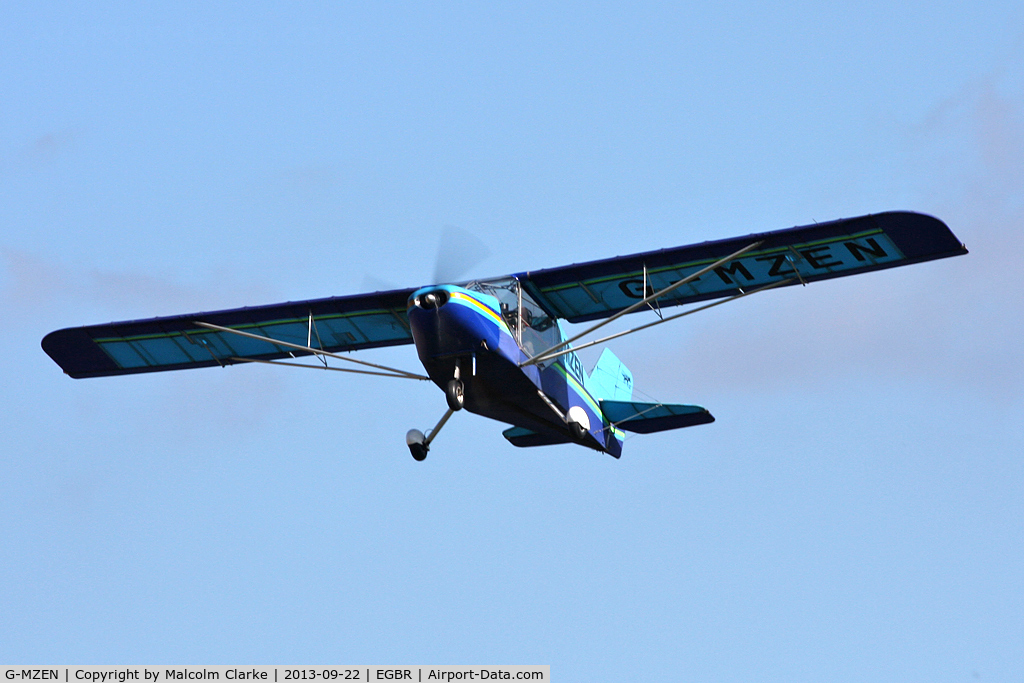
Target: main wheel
{"points": [[455, 392], [419, 451], [578, 430], [416, 442]]}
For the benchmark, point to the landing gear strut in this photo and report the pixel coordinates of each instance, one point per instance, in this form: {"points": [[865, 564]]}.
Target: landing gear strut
{"points": [[455, 394]]}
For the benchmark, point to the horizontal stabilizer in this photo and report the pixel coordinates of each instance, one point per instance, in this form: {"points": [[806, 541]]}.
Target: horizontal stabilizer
{"points": [[524, 438], [645, 418]]}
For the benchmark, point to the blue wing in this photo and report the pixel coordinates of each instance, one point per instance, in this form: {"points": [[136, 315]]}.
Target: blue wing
{"points": [[345, 323], [580, 292], [598, 289]]}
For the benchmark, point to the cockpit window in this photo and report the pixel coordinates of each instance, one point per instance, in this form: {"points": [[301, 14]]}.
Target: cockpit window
{"points": [[534, 329]]}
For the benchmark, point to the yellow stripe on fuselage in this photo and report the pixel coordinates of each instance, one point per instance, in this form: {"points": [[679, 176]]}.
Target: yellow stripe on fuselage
{"points": [[466, 300]]}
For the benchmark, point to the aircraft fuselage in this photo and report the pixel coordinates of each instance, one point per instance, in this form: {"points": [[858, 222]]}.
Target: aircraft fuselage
{"points": [[470, 335]]}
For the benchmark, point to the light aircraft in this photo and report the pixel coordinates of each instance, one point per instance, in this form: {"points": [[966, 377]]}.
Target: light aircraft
{"points": [[496, 347]]}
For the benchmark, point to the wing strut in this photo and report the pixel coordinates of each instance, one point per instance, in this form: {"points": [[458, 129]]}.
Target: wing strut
{"points": [[655, 303], [321, 367], [309, 336], [308, 349], [543, 355], [555, 354]]}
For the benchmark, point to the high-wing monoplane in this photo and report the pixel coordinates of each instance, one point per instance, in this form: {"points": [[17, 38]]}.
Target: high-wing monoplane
{"points": [[497, 347]]}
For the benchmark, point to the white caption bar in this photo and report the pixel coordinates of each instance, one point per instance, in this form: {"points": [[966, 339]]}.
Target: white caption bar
{"points": [[274, 674]]}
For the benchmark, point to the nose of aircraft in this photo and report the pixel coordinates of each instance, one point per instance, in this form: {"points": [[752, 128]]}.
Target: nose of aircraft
{"points": [[447, 320], [431, 300]]}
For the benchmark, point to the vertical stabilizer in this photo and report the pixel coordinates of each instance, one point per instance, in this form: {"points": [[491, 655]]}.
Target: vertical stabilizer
{"points": [[610, 379]]}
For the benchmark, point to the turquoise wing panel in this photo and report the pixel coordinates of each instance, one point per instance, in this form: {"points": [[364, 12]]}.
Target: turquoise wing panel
{"points": [[346, 323], [598, 289]]}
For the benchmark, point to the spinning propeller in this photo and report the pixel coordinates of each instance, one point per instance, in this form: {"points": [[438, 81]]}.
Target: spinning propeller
{"points": [[458, 252]]}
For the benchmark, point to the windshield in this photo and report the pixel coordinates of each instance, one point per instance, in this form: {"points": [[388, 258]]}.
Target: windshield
{"points": [[534, 329]]}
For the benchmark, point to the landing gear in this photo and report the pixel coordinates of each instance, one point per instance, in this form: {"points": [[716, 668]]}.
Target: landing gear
{"points": [[579, 422], [419, 444], [455, 393]]}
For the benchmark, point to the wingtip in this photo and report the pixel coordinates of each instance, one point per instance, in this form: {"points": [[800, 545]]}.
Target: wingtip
{"points": [[74, 351]]}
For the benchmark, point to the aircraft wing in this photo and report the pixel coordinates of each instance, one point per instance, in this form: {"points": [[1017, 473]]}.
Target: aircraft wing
{"points": [[345, 323], [598, 289]]}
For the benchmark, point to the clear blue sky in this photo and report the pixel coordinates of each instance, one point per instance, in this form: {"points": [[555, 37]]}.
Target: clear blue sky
{"points": [[855, 513]]}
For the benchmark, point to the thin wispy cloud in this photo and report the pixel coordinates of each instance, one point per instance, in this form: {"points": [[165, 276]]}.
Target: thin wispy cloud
{"points": [[954, 323], [38, 295], [47, 148], [32, 285]]}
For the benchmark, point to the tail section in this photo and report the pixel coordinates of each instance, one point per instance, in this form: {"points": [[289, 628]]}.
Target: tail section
{"points": [[611, 384], [610, 379], [645, 418], [525, 438]]}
